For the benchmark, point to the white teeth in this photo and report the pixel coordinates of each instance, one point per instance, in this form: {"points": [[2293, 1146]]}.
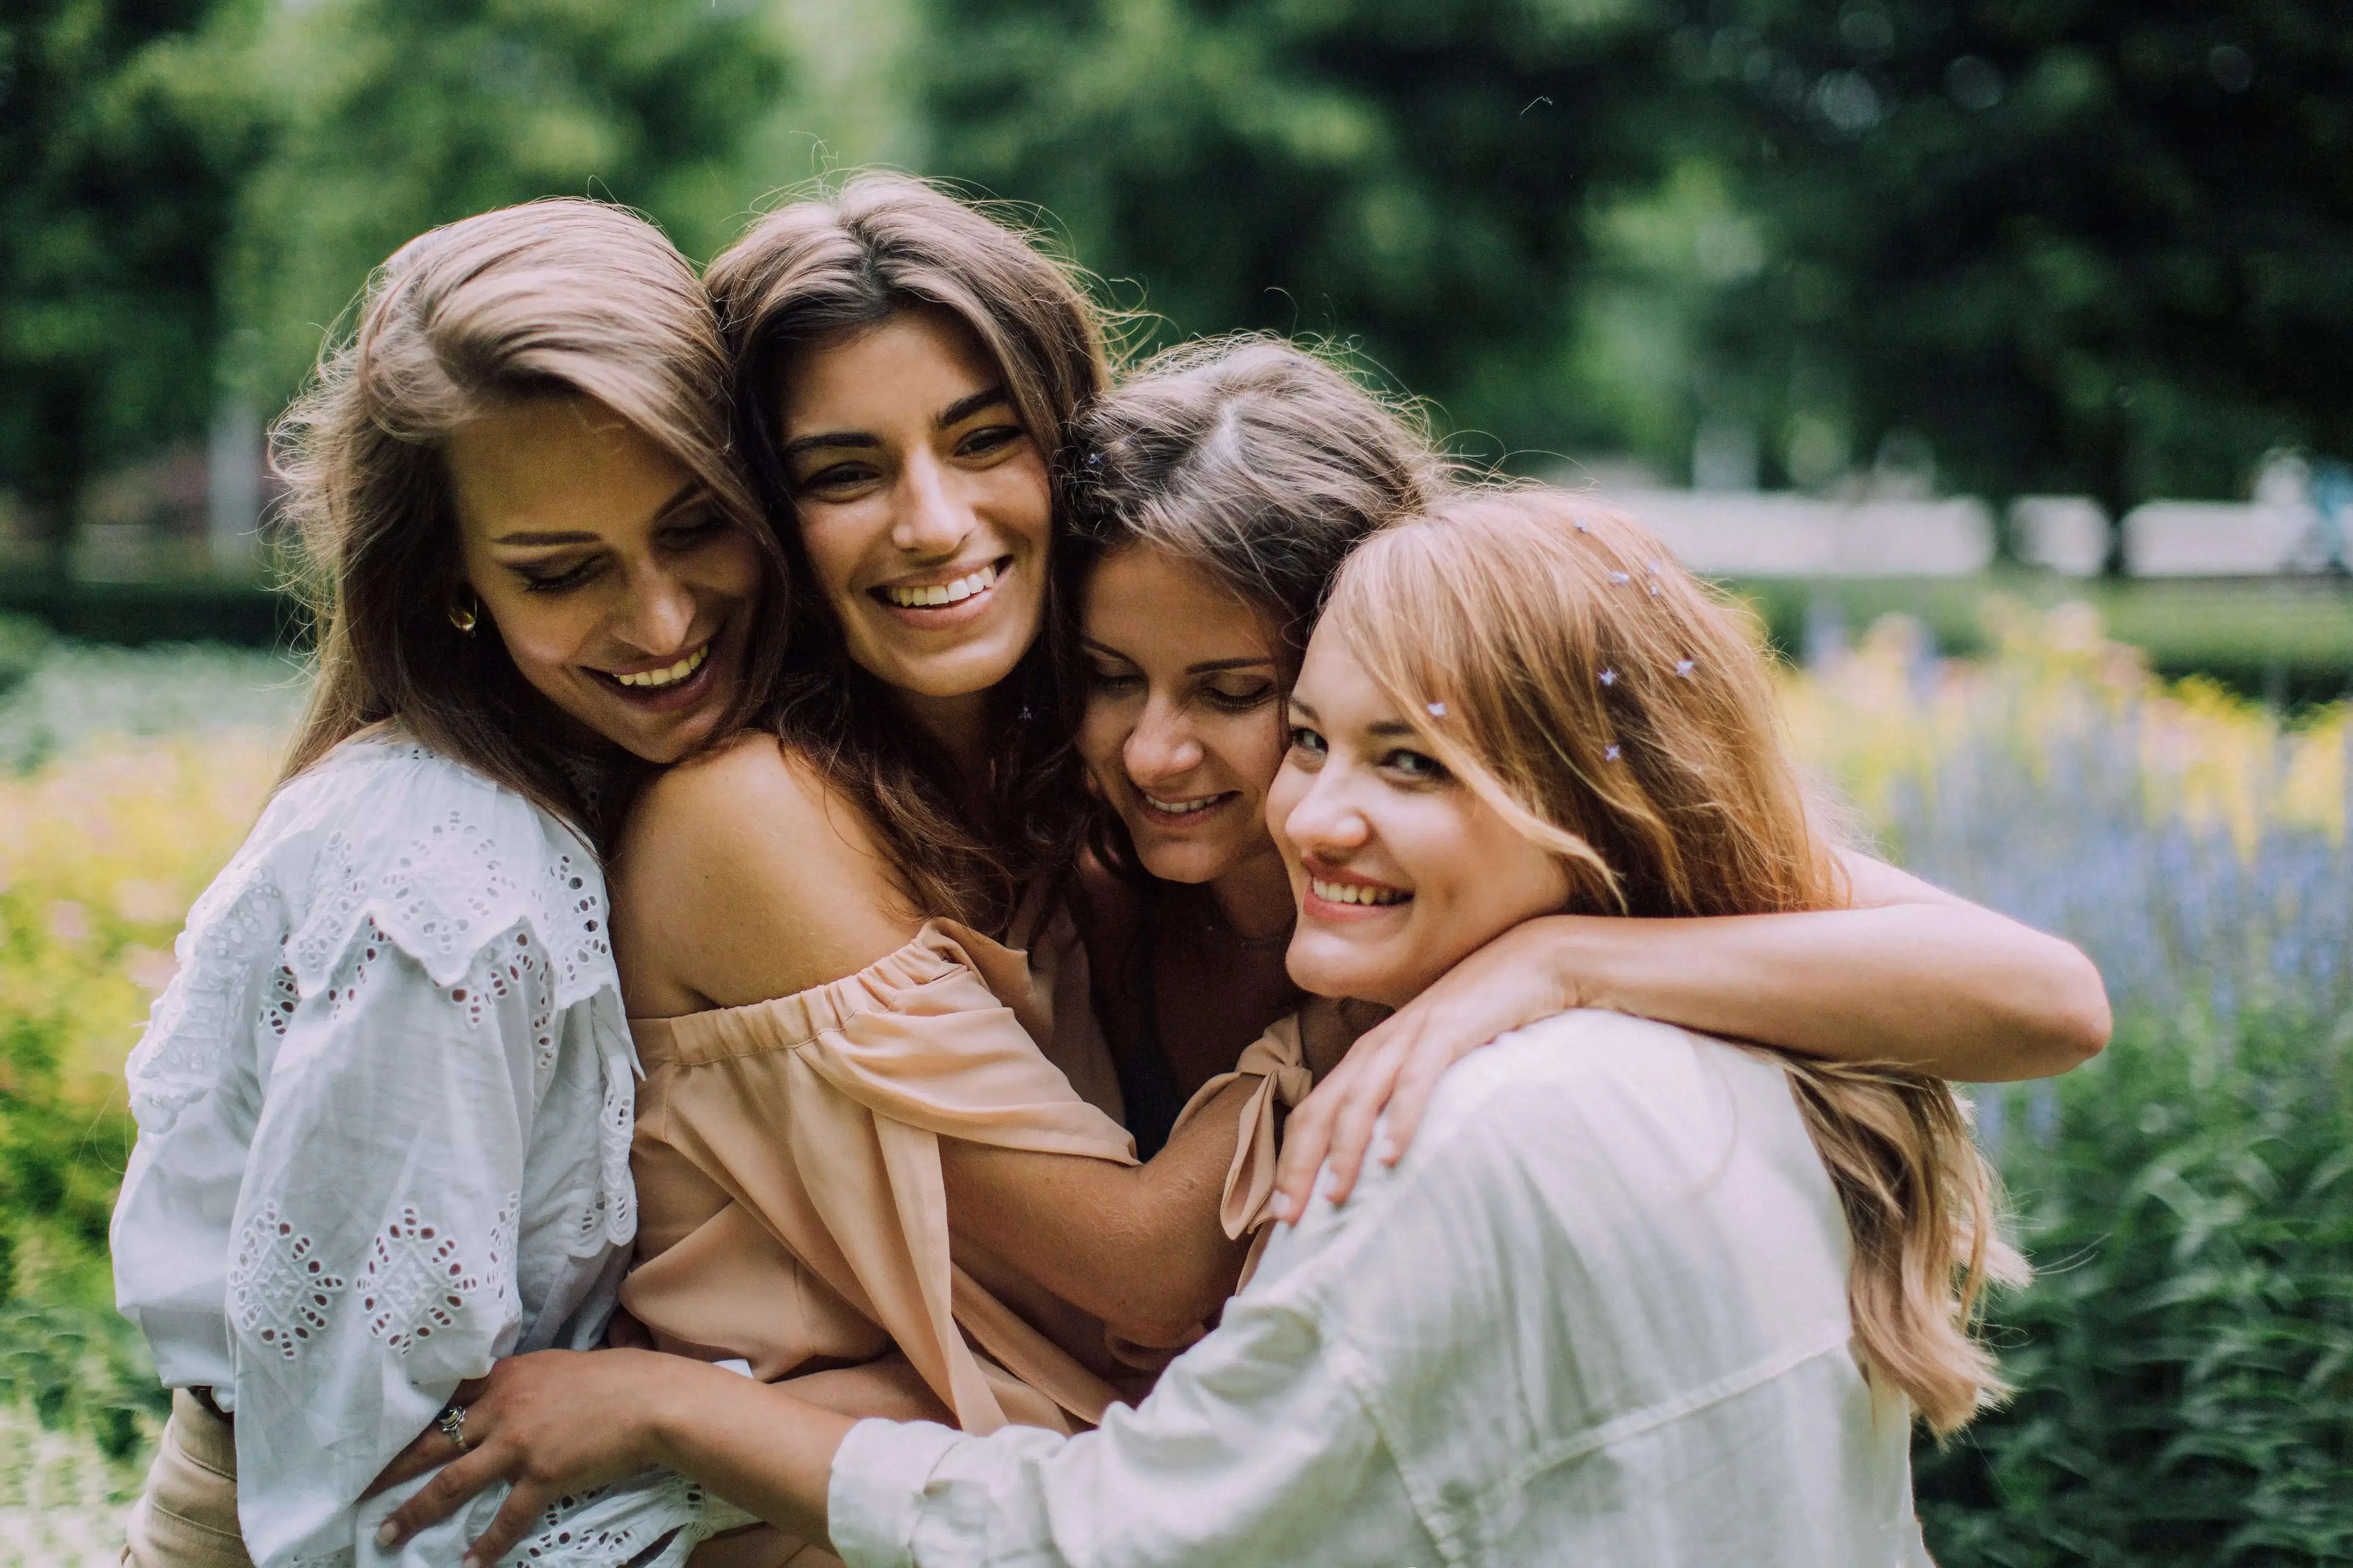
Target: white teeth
{"points": [[673, 675], [1182, 807], [1350, 893], [954, 593]]}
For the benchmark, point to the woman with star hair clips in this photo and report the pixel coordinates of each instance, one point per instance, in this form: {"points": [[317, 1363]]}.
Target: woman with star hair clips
{"points": [[1223, 486]]}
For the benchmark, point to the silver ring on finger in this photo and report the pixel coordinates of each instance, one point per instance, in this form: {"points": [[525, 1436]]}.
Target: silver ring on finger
{"points": [[452, 1422]]}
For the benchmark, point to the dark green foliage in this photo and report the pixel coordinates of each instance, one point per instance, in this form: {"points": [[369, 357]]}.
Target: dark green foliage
{"points": [[2101, 249], [2186, 1353], [78, 1364], [119, 191], [1410, 173], [2077, 247]]}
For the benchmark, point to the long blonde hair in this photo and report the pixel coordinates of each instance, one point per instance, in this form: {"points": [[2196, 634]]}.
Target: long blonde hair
{"points": [[1552, 655], [552, 297], [819, 270]]}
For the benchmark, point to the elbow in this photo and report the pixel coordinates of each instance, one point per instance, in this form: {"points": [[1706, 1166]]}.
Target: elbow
{"points": [[2081, 1018], [1170, 1321]]}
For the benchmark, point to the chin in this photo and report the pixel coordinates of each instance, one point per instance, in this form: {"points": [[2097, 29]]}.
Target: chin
{"points": [[1329, 966]]}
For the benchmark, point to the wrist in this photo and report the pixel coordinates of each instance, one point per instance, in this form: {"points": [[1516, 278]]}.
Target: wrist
{"points": [[667, 1392], [1576, 958]]}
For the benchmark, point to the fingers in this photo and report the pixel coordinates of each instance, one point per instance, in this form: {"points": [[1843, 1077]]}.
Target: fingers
{"points": [[516, 1517], [1354, 1120], [1417, 1080], [442, 1496], [1306, 1137], [428, 1449]]}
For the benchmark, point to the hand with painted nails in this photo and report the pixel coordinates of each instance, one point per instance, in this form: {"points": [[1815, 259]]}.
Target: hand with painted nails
{"points": [[1393, 1068]]}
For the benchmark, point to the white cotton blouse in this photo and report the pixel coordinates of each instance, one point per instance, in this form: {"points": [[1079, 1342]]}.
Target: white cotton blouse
{"points": [[1596, 1315], [383, 1118]]}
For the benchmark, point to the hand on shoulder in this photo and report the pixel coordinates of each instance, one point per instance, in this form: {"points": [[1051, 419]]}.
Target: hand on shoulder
{"points": [[746, 874]]}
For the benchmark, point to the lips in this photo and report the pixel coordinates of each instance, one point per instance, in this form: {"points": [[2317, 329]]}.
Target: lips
{"points": [[1355, 893], [1335, 895], [945, 593], [1177, 812], [679, 684]]}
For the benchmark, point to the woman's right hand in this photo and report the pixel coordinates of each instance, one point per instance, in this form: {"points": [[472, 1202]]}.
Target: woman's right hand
{"points": [[1513, 981], [429, 1449]]}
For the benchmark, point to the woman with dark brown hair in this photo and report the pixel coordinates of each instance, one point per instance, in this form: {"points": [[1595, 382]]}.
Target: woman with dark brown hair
{"points": [[884, 1040], [384, 1105]]}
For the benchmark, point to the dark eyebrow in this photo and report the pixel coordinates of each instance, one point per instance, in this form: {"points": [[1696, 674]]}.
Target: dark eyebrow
{"points": [[964, 408], [1389, 729], [1212, 665], [795, 448], [955, 412], [687, 492], [1104, 648]]}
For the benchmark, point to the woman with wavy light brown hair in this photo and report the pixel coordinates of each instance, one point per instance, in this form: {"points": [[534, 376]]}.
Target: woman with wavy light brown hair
{"points": [[383, 1105]]}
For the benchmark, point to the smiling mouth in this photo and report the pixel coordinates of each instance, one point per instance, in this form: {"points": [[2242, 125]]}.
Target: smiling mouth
{"points": [[939, 596], [1357, 893], [1178, 810], [670, 675]]}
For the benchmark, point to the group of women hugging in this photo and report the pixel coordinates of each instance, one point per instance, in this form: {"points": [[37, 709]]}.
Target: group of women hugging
{"points": [[881, 945]]}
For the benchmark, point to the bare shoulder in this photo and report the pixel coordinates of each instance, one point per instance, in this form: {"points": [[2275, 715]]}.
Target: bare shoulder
{"points": [[746, 874]]}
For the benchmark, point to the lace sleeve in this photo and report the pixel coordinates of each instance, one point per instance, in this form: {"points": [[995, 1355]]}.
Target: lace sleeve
{"points": [[373, 1262]]}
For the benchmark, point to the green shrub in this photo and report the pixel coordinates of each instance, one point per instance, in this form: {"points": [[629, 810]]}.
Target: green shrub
{"points": [[2185, 1355]]}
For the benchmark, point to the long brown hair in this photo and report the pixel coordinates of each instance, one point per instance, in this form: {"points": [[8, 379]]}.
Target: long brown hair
{"points": [[1254, 460], [812, 272], [1554, 657], [552, 297]]}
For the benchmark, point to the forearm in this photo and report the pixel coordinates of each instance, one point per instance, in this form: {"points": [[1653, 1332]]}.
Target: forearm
{"points": [[1140, 1247], [1947, 988], [758, 1447]]}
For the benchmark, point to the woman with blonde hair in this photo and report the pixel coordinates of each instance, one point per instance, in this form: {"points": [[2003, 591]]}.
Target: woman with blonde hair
{"points": [[1635, 1294], [384, 1105]]}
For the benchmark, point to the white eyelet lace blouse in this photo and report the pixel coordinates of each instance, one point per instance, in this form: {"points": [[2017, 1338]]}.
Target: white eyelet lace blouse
{"points": [[383, 1138]]}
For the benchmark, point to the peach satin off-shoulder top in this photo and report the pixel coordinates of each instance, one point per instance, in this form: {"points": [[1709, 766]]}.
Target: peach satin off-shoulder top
{"points": [[791, 1210]]}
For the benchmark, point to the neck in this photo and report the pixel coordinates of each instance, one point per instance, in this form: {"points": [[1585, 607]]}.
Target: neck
{"points": [[958, 726], [1255, 897]]}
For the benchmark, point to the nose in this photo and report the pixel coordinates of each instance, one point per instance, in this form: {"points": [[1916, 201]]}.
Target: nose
{"points": [[1326, 822], [932, 521], [658, 616], [1161, 747]]}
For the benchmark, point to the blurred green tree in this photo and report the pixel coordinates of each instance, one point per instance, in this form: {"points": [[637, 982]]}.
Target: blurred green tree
{"points": [[2047, 244], [2095, 247], [395, 115], [119, 191], [1408, 175]]}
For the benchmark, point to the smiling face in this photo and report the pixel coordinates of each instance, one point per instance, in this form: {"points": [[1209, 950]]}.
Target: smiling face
{"points": [[1182, 732], [922, 502], [1400, 870], [621, 592]]}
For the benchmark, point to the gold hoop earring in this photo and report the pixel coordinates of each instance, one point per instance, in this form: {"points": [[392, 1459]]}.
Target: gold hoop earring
{"points": [[464, 619]]}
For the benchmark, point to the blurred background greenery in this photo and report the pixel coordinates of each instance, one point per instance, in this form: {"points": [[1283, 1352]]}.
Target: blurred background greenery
{"points": [[1852, 248], [2054, 246]]}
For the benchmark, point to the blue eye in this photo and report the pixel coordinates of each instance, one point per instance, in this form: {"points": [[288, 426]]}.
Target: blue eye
{"points": [[1304, 738]]}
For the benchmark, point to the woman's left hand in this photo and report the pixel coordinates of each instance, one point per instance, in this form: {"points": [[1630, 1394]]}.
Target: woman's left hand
{"points": [[550, 1422], [1513, 981]]}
